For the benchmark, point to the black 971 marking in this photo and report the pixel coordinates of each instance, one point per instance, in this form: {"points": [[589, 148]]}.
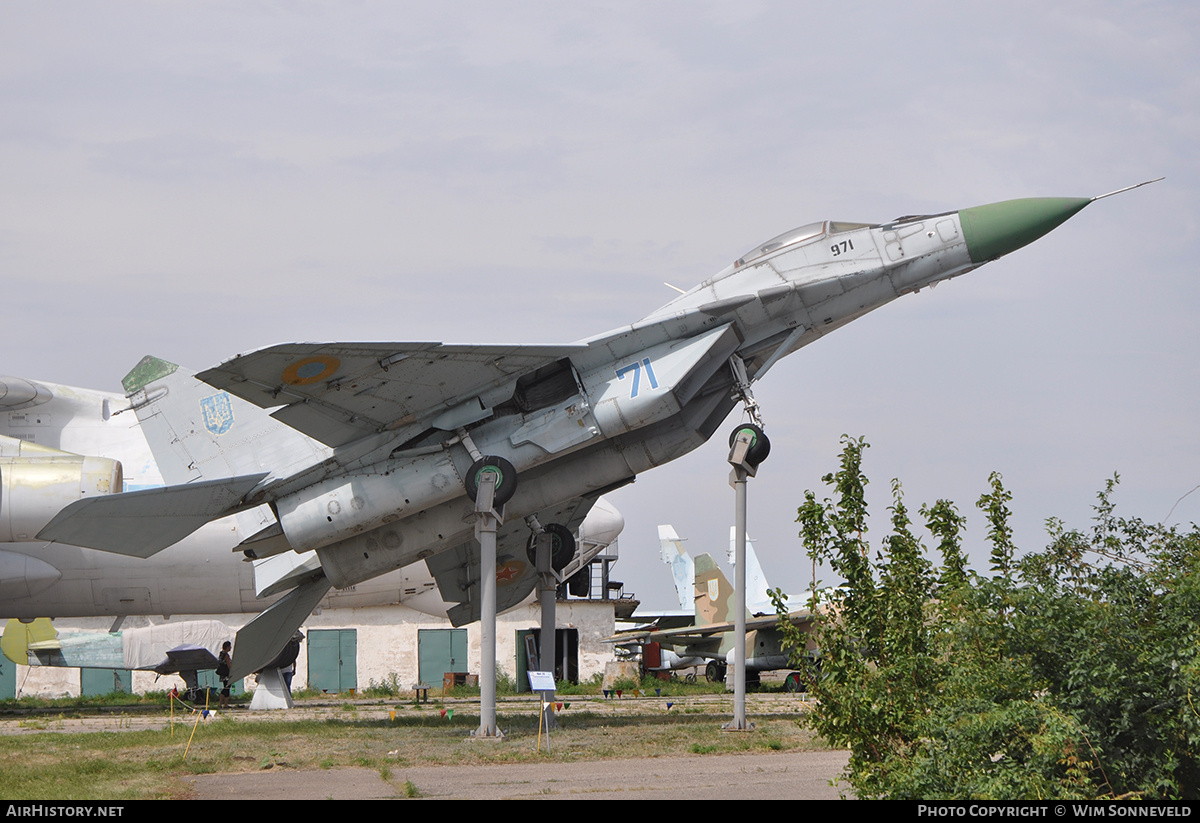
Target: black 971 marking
{"points": [[842, 247]]}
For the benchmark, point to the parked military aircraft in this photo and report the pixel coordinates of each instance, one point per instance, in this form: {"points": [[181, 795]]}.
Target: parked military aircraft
{"points": [[185, 648], [709, 642], [672, 552], [60, 443], [680, 646], [372, 453]]}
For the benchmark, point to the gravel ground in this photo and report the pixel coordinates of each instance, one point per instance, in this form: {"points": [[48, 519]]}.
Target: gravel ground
{"points": [[783, 775]]}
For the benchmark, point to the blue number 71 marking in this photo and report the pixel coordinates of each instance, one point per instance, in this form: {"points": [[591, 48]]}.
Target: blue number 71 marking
{"points": [[636, 368]]}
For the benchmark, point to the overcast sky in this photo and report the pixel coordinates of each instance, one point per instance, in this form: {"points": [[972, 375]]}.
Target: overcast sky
{"points": [[196, 179]]}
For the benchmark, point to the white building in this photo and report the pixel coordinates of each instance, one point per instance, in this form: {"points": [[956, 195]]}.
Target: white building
{"points": [[350, 648]]}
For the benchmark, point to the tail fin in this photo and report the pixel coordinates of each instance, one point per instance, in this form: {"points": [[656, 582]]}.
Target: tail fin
{"points": [[18, 637], [715, 600], [264, 637], [198, 432], [758, 597], [682, 569]]}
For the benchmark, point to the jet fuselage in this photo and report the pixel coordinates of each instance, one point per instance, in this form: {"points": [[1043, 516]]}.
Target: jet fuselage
{"points": [[641, 396]]}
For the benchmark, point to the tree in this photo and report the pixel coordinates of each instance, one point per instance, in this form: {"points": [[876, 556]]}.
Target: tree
{"points": [[1068, 672]]}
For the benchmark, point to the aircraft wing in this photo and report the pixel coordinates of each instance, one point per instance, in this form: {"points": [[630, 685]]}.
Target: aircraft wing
{"points": [[456, 570], [689, 635], [684, 641], [339, 392], [188, 658], [651, 621]]}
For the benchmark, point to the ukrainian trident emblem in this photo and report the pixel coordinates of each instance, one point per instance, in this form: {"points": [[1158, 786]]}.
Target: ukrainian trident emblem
{"points": [[218, 413]]}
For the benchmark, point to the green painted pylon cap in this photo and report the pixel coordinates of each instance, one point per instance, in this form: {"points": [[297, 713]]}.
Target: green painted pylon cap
{"points": [[996, 229]]}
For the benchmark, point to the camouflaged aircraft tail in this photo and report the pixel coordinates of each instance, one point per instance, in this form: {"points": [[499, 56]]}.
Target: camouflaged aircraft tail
{"points": [[715, 599]]}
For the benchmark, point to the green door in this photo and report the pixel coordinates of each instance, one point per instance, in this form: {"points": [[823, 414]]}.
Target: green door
{"points": [[333, 659], [97, 682], [440, 651], [8, 678]]}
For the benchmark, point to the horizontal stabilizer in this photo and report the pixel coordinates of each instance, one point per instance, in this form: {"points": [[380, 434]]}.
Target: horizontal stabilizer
{"points": [[262, 639], [142, 523]]}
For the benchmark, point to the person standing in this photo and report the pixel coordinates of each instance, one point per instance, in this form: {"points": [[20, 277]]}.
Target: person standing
{"points": [[224, 665]]}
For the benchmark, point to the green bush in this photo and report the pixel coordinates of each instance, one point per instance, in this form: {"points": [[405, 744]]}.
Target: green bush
{"points": [[388, 687], [1065, 673]]}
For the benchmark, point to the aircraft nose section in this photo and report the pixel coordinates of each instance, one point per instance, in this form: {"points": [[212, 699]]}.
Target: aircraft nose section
{"points": [[996, 229]]}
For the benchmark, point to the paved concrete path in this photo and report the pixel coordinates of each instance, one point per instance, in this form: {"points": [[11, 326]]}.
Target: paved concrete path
{"points": [[782, 775]]}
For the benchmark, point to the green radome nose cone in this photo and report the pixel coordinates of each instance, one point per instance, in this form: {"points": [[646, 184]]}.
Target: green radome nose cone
{"points": [[994, 230]]}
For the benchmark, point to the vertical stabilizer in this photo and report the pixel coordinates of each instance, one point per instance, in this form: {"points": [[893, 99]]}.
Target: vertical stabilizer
{"points": [[264, 637], [715, 599], [19, 636], [198, 432], [758, 598], [670, 548]]}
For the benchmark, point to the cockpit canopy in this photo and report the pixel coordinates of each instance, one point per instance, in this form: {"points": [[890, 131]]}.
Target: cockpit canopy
{"points": [[790, 238]]}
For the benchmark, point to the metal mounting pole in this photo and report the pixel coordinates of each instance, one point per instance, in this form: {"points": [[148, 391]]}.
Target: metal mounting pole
{"points": [[487, 522], [548, 590], [742, 470]]}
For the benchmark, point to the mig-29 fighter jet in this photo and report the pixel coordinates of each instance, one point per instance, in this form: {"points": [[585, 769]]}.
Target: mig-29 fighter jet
{"points": [[372, 453]]}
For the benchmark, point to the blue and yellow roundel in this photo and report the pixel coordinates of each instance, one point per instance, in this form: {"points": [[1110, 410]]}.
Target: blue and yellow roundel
{"points": [[311, 370]]}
